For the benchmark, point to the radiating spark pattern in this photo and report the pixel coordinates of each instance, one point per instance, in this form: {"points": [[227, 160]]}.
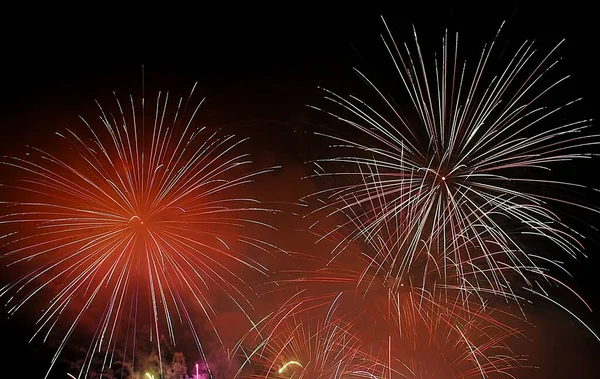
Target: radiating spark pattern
{"points": [[431, 207], [446, 346], [468, 158], [407, 330], [142, 207], [298, 347], [394, 287]]}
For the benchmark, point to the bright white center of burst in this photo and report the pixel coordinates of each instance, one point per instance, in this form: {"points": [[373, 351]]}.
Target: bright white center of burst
{"points": [[443, 178]]}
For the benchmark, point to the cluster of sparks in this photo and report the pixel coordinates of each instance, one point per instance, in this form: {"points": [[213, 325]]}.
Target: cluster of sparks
{"points": [[423, 217], [425, 211], [457, 162], [121, 216]]}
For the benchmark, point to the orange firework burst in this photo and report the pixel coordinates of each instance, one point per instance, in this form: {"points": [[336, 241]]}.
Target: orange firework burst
{"points": [[133, 210]]}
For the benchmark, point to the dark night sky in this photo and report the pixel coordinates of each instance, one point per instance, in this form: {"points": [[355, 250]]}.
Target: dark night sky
{"points": [[259, 70]]}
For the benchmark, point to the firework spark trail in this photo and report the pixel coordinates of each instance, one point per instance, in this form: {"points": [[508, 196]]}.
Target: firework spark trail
{"points": [[395, 281], [418, 317], [456, 164], [451, 347], [297, 347], [403, 250], [404, 331], [116, 206], [412, 324]]}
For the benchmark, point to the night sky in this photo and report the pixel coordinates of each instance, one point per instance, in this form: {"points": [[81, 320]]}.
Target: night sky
{"points": [[258, 68]]}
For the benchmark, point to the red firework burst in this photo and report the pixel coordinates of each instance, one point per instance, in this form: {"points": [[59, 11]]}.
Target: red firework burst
{"points": [[141, 207]]}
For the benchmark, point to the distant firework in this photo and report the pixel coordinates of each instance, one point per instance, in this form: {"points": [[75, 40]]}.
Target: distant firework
{"points": [[444, 344], [409, 328], [142, 212], [470, 160], [301, 348]]}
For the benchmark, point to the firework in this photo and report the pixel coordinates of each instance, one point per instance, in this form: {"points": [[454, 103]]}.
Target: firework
{"points": [[469, 160], [296, 347], [404, 331], [417, 316], [442, 344], [141, 208], [412, 326]]}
